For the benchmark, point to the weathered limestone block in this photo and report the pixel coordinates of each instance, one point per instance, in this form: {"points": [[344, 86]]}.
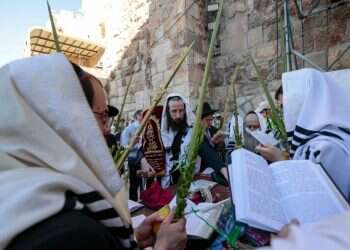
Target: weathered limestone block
{"points": [[335, 52], [266, 51], [255, 36]]}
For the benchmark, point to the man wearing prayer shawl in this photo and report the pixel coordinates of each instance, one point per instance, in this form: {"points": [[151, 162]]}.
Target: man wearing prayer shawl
{"points": [[59, 188], [263, 112], [252, 121], [316, 116], [177, 120]]}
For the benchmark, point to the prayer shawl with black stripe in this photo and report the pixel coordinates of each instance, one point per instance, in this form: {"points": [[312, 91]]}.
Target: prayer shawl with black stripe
{"points": [[316, 110], [52, 154]]}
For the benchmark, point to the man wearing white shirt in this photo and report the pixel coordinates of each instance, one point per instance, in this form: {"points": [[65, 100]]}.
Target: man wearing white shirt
{"points": [[130, 130]]}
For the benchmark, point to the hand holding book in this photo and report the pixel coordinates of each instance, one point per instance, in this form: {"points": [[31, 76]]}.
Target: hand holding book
{"points": [[269, 196], [270, 153]]}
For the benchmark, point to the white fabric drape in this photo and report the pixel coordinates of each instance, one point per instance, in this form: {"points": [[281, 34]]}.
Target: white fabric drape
{"points": [[50, 143], [316, 115]]}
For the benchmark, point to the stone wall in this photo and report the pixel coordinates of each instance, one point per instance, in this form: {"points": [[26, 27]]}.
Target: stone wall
{"points": [[144, 38], [251, 26], [152, 52]]}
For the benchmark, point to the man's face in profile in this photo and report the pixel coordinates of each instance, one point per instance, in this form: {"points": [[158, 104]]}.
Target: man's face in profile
{"points": [[177, 111], [207, 121]]}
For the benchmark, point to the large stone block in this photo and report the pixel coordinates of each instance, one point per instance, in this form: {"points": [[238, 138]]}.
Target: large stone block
{"points": [[195, 11], [154, 20], [181, 89], [195, 75], [319, 58], [266, 51], [270, 32], [255, 36], [241, 6], [335, 52], [237, 25], [234, 43]]}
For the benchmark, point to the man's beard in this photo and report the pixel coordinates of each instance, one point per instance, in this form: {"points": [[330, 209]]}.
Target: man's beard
{"points": [[177, 125]]}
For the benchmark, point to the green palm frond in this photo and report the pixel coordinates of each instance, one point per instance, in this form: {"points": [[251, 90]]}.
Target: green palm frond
{"points": [[188, 167], [275, 116], [238, 135], [123, 103], [54, 32]]}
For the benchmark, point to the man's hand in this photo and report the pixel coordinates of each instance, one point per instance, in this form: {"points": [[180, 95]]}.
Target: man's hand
{"points": [[137, 140], [219, 137], [144, 233], [171, 236], [147, 169], [270, 152]]}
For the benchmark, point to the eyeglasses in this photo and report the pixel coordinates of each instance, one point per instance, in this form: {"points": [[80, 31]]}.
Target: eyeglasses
{"points": [[103, 116]]}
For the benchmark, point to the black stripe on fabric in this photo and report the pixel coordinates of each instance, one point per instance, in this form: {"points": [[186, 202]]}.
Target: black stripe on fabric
{"points": [[290, 133], [298, 139], [307, 153], [122, 232], [90, 197], [317, 153], [330, 134], [344, 130], [70, 201], [294, 147], [304, 131], [105, 214]]}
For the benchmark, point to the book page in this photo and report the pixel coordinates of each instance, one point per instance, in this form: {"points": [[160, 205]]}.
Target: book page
{"points": [[210, 212], [133, 206], [254, 187], [263, 138], [305, 192]]}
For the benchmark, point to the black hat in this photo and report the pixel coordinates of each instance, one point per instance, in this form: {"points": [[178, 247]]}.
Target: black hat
{"points": [[207, 110], [112, 111]]}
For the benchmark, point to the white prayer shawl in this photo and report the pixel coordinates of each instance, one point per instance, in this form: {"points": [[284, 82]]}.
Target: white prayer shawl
{"points": [[316, 116], [50, 143], [168, 136], [262, 120], [330, 234], [262, 106]]}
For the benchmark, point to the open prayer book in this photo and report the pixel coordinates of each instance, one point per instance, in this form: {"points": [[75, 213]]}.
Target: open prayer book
{"points": [[199, 216], [270, 196], [201, 184], [133, 206]]}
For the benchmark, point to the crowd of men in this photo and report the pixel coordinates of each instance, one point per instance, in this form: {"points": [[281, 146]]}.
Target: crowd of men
{"points": [[174, 124], [59, 188]]}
